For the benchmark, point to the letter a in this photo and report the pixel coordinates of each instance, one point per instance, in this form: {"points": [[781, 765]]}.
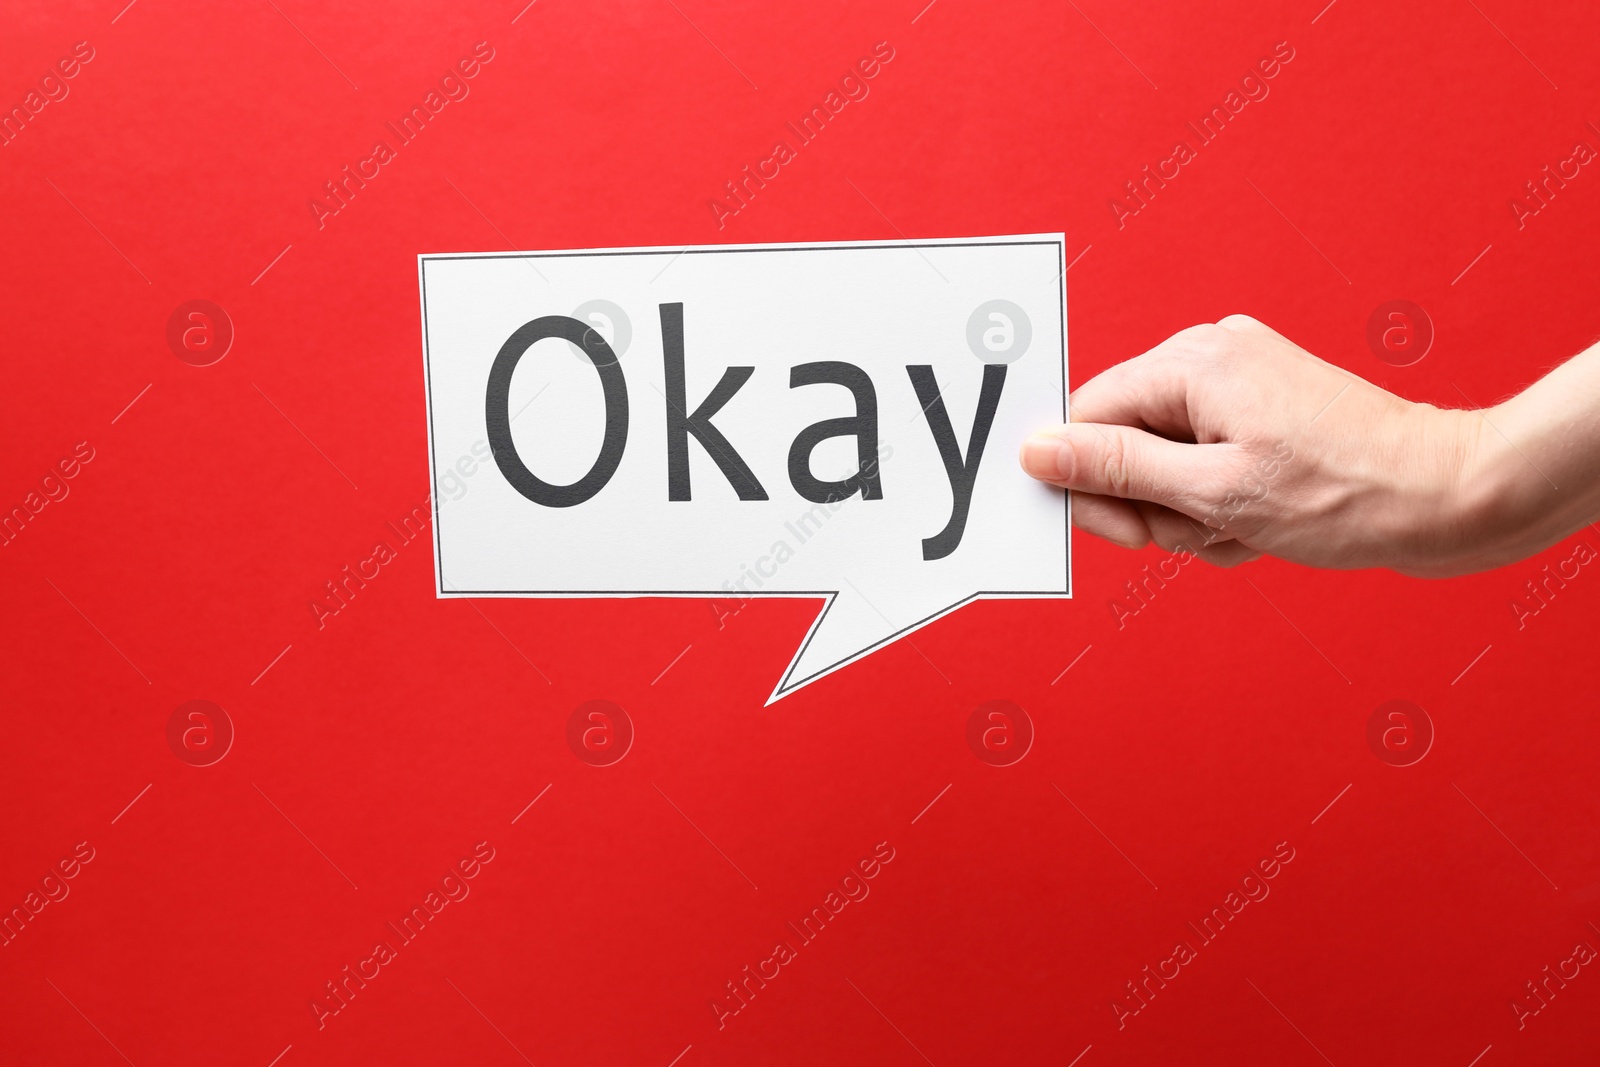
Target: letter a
{"points": [[863, 426]]}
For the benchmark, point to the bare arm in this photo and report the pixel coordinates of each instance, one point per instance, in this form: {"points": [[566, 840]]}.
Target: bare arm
{"points": [[1543, 459]]}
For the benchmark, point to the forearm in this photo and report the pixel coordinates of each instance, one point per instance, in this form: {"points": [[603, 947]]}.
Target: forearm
{"points": [[1537, 463]]}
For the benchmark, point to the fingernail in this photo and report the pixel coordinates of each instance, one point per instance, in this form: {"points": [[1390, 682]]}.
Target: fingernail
{"points": [[1047, 457]]}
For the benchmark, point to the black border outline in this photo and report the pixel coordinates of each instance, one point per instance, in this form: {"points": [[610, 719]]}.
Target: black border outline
{"points": [[783, 688]]}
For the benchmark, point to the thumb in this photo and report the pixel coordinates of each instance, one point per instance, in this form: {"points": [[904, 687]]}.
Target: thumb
{"points": [[1125, 462]]}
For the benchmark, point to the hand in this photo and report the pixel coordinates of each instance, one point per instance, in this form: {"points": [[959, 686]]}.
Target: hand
{"points": [[1230, 441]]}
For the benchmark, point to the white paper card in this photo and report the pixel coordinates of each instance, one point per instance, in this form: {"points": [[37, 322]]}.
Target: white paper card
{"points": [[643, 422]]}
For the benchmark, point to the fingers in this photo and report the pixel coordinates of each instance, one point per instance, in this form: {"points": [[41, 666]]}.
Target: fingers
{"points": [[1124, 455], [1179, 533], [1156, 390], [1228, 554], [1117, 521], [1120, 461], [1134, 524], [1150, 391], [1173, 530]]}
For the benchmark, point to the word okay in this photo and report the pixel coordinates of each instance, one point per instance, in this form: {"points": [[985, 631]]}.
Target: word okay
{"points": [[961, 467]]}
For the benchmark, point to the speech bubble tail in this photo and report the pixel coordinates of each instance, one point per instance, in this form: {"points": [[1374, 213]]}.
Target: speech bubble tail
{"points": [[850, 627], [795, 676]]}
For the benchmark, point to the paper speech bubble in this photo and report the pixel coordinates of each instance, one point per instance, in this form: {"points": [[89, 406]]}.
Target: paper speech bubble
{"points": [[821, 420]]}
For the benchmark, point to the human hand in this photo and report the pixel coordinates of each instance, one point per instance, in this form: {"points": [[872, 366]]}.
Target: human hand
{"points": [[1230, 441]]}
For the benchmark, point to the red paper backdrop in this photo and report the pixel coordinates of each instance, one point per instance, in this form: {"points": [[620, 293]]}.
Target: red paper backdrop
{"points": [[372, 755]]}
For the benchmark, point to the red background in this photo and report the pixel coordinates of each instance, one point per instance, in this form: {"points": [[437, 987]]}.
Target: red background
{"points": [[1220, 720]]}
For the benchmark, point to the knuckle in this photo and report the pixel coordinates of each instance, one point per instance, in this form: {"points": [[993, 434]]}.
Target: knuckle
{"points": [[1116, 468], [1204, 335], [1209, 491], [1207, 344], [1239, 322]]}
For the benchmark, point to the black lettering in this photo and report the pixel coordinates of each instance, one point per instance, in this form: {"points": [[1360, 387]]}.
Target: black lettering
{"points": [[863, 425], [963, 473], [680, 426], [497, 411]]}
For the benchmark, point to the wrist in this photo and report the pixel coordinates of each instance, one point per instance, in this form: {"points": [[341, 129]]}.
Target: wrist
{"points": [[1438, 494], [1501, 507]]}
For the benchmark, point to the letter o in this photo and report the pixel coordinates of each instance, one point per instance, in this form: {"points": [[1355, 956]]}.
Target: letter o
{"points": [[497, 411]]}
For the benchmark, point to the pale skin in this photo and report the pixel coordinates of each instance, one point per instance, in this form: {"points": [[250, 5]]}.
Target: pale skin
{"points": [[1232, 442]]}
